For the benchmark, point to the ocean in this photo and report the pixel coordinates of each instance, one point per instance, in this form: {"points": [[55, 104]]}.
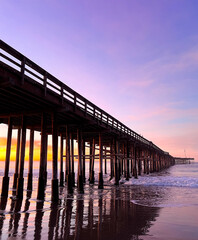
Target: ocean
{"points": [[156, 206]]}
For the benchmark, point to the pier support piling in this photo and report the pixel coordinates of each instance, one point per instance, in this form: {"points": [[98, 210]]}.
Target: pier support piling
{"points": [[135, 163], [111, 160], [100, 181], [55, 190], [61, 162], [92, 178], [105, 163], [80, 173], [20, 180], [127, 161], [83, 162], [72, 160], [31, 152], [68, 162], [17, 158], [116, 167], [43, 157], [5, 182]]}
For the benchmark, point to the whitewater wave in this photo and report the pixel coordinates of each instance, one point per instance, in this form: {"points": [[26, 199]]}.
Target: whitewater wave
{"points": [[166, 181]]}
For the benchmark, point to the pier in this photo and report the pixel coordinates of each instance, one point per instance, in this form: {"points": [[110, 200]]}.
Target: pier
{"points": [[179, 160], [31, 98]]}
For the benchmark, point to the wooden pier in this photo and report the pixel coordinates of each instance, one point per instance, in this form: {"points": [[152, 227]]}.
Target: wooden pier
{"points": [[31, 98], [179, 160]]}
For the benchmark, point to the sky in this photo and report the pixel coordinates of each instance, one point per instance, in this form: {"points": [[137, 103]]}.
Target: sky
{"points": [[135, 59]]}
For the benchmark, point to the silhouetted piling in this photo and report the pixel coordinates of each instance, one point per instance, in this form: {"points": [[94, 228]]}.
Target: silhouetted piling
{"points": [[80, 173], [17, 158], [61, 162], [112, 160], [100, 180], [5, 182], [43, 156], [72, 160], [20, 180], [55, 190], [139, 161], [31, 153], [92, 178], [90, 158], [116, 151], [68, 162], [83, 159], [135, 163], [127, 161], [105, 163]]}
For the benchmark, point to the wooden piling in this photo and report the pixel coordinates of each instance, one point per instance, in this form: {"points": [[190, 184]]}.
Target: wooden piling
{"points": [[127, 161], [116, 173], [83, 162], [31, 153], [80, 173], [148, 160], [5, 182], [17, 158], [72, 160], [112, 160], [135, 163], [20, 180], [43, 156], [100, 180], [145, 161], [61, 162], [55, 190], [92, 178], [132, 160], [45, 176], [139, 161], [90, 158], [154, 162], [160, 162], [151, 162], [68, 162], [105, 153]]}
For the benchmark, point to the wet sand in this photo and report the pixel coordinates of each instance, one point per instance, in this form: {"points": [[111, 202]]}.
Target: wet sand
{"points": [[98, 214], [124, 212]]}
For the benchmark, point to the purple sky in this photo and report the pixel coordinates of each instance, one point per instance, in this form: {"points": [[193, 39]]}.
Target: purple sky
{"points": [[138, 60]]}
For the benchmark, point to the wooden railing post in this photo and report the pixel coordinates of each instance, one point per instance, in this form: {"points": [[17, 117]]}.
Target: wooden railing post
{"points": [[45, 84], [22, 70]]}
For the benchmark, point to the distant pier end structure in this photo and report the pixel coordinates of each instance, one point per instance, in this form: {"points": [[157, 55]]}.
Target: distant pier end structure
{"points": [[31, 98], [179, 160]]}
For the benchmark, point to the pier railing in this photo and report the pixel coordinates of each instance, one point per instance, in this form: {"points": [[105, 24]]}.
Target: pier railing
{"points": [[29, 70]]}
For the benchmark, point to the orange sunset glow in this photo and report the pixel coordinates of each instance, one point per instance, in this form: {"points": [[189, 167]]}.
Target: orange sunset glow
{"points": [[3, 142]]}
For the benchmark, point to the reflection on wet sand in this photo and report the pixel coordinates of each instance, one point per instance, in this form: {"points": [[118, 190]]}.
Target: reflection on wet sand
{"points": [[99, 214]]}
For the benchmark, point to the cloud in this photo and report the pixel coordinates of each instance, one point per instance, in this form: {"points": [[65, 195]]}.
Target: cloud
{"points": [[158, 73]]}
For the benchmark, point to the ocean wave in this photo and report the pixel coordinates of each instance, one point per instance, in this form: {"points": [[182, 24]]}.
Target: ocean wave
{"points": [[166, 181]]}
